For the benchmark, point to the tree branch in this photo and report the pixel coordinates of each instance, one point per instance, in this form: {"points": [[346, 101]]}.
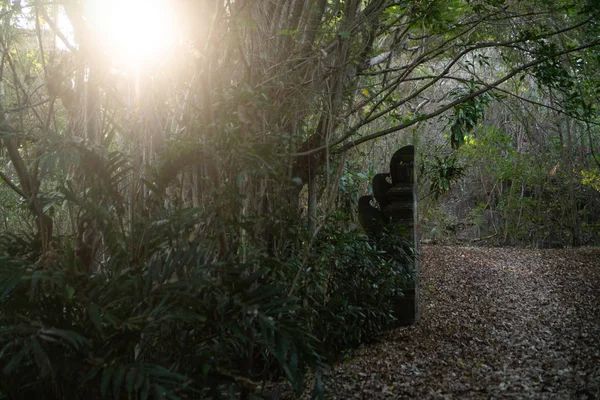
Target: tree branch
{"points": [[537, 103], [14, 187], [441, 110], [445, 108]]}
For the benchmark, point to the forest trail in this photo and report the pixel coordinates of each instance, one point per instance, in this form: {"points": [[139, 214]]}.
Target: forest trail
{"points": [[496, 323]]}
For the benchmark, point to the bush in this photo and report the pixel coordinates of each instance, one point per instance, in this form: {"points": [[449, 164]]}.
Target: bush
{"points": [[351, 282], [178, 323], [147, 332]]}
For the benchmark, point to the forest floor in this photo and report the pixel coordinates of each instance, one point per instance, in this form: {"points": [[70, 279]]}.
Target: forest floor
{"points": [[495, 323]]}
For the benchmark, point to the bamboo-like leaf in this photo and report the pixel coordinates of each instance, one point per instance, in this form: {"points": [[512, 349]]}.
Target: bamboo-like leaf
{"points": [[138, 384], [95, 317], [107, 374], [18, 358], [159, 392], [117, 380], [151, 186], [318, 391], [5, 134], [73, 338], [130, 380], [10, 284], [145, 392], [49, 163], [41, 358]]}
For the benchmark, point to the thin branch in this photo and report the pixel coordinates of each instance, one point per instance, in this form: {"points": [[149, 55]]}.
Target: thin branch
{"points": [[25, 107], [422, 59], [507, 92], [445, 108], [370, 117], [57, 31], [537, 103], [38, 31], [441, 110], [10, 183]]}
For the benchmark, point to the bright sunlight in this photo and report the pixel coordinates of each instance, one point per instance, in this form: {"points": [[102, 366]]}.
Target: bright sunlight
{"points": [[134, 32]]}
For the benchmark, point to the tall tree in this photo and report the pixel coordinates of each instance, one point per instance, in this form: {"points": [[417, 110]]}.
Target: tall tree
{"points": [[298, 83]]}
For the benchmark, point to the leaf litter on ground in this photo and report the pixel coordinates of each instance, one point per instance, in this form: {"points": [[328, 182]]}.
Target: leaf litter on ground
{"points": [[500, 323]]}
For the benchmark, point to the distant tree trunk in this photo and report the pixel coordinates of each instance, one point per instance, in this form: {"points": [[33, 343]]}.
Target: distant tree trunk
{"points": [[312, 201], [30, 186], [572, 214]]}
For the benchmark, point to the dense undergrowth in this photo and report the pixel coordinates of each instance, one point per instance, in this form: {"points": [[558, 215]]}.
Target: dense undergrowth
{"points": [[171, 320]]}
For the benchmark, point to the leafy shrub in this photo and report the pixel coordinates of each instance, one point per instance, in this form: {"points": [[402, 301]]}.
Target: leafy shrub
{"points": [[178, 324], [350, 283], [146, 333], [159, 310]]}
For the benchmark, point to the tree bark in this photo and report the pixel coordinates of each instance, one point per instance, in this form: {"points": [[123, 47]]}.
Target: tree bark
{"points": [[29, 186], [312, 201], [572, 213]]}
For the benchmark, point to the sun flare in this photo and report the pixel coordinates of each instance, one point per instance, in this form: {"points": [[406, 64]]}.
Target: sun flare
{"points": [[134, 32]]}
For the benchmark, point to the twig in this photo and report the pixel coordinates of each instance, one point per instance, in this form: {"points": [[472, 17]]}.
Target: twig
{"points": [[484, 238], [10, 183]]}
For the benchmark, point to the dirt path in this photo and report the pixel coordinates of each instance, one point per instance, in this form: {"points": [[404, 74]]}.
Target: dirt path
{"points": [[496, 323]]}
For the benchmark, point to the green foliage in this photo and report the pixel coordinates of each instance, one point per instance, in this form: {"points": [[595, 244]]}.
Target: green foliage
{"points": [[164, 316], [180, 328], [591, 178], [179, 265], [436, 15], [516, 188], [174, 327], [351, 185], [435, 223], [467, 114], [441, 172], [353, 281]]}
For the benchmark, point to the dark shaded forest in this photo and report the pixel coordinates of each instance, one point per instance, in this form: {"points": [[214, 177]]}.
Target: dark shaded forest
{"points": [[180, 185]]}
